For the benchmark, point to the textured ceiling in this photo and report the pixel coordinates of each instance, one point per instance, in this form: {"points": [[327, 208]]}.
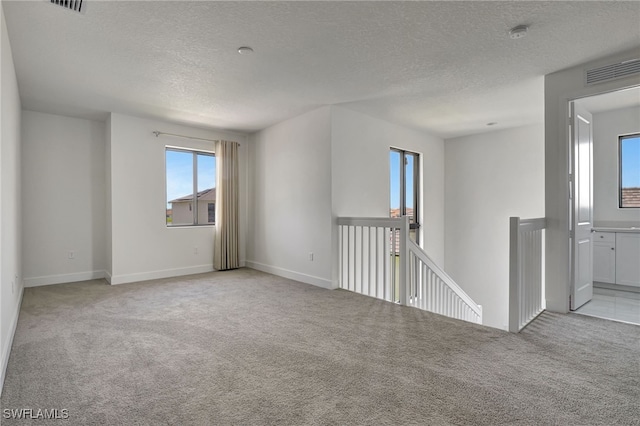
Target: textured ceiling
{"points": [[447, 67]]}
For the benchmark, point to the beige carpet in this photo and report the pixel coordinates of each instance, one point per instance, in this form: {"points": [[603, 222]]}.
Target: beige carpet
{"points": [[247, 348]]}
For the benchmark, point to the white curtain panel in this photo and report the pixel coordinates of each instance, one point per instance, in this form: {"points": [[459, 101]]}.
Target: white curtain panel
{"points": [[225, 249]]}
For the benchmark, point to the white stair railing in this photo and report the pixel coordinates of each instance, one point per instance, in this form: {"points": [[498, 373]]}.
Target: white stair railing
{"points": [[368, 264], [526, 271], [377, 259], [431, 289]]}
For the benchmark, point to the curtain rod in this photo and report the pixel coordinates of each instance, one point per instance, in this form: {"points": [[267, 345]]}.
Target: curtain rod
{"points": [[157, 133]]}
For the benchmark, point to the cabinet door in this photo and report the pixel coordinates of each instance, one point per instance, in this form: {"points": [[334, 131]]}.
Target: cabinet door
{"points": [[628, 258], [604, 262]]}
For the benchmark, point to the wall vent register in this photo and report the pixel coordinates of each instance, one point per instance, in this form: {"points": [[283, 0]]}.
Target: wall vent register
{"points": [[75, 5], [612, 71]]}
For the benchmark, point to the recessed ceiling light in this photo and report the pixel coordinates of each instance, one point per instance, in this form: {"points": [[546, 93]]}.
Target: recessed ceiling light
{"points": [[493, 123], [245, 50], [518, 32]]}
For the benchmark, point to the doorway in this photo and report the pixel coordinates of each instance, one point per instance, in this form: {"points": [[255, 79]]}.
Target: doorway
{"points": [[615, 281], [613, 304]]}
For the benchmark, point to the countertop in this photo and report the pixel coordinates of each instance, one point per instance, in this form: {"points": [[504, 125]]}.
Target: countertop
{"points": [[635, 230]]}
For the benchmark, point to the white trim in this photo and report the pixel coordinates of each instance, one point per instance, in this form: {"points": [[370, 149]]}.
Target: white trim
{"points": [[165, 273], [107, 276], [182, 148], [6, 349], [64, 278], [297, 276]]}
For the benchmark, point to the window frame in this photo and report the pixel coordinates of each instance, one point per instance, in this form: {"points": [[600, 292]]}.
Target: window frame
{"points": [[194, 201], [621, 138], [417, 223]]}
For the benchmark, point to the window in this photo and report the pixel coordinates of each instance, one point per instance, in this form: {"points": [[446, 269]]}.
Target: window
{"points": [[212, 212], [191, 187], [629, 169], [405, 188]]}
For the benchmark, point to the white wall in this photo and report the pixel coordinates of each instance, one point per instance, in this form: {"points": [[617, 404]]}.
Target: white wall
{"points": [[10, 207], [360, 172], [108, 235], [327, 163], [291, 199], [142, 246], [488, 178], [63, 198], [607, 126], [560, 88]]}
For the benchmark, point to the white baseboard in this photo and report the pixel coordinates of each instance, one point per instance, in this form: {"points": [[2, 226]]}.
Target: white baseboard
{"points": [[6, 348], [117, 279], [154, 275], [292, 275], [63, 278]]}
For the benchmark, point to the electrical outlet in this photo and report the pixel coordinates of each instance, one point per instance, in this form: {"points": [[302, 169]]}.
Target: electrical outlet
{"points": [[311, 256], [71, 254]]}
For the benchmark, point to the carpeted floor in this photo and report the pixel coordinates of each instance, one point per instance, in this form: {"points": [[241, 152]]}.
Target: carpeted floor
{"points": [[248, 348]]}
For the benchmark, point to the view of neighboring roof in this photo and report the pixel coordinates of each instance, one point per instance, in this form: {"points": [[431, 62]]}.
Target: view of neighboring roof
{"points": [[396, 212], [205, 195], [631, 197]]}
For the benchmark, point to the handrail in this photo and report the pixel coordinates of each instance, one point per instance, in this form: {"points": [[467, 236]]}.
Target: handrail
{"points": [[418, 252], [357, 258], [388, 222], [532, 224], [365, 267]]}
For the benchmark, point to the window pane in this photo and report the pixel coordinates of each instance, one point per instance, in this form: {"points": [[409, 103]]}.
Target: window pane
{"points": [[412, 196], [212, 212], [179, 188], [206, 187], [630, 171], [409, 195], [395, 183]]}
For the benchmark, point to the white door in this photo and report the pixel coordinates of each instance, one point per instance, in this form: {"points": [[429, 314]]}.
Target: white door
{"points": [[581, 207]]}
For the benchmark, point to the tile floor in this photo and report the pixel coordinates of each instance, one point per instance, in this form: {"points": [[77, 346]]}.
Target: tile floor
{"points": [[614, 305]]}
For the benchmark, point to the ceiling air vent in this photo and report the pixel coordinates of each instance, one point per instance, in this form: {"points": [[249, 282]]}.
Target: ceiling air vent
{"points": [[75, 5], [613, 71]]}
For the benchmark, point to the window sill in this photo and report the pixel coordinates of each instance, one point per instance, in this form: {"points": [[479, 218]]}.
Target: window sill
{"points": [[208, 225]]}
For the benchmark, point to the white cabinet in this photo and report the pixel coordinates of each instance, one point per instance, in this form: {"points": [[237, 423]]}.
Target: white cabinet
{"points": [[627, 251], [604, 257]]}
